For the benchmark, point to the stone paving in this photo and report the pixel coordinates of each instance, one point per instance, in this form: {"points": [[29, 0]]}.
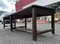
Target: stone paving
{"points": [[18, 37]]}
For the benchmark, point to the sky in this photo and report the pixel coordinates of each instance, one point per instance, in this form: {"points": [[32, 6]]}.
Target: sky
{"points": [[7, 5]]}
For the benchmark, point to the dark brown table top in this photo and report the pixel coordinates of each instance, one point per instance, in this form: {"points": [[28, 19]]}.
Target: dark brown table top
{"points": [[39, 11]]}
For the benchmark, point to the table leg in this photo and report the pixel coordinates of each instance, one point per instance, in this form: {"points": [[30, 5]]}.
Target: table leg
{"points": [[26, 23], [11, 25], [3, 23], [52, 24], [34, 31], [15, 24]]}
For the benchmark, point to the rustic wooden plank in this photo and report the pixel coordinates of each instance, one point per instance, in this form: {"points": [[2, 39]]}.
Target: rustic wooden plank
{"points": [[3, 23], [25, 22], [45, 31], [53, 24], [34, 31], [11, 25]]}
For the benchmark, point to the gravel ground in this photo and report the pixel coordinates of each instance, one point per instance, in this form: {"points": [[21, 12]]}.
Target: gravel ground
{"points": [[18, 37]]}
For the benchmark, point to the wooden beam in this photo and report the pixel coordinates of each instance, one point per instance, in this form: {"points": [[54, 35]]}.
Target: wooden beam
{"points": [[14, 24], [42, 32], [11, 25], [24, 30], [53, 24], [34, 27], [3, 22], [26, 23]]}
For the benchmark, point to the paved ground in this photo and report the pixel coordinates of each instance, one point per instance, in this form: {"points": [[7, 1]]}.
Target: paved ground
{"points": [[17, 37]]}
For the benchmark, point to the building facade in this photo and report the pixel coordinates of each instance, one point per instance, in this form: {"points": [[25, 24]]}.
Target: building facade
{"points": [[20, 4]]}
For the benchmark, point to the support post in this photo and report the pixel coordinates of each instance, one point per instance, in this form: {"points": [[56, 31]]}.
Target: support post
{"points": [[11, 25], [3, 22], [25, 22], [53, 24], [34, 27]]}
